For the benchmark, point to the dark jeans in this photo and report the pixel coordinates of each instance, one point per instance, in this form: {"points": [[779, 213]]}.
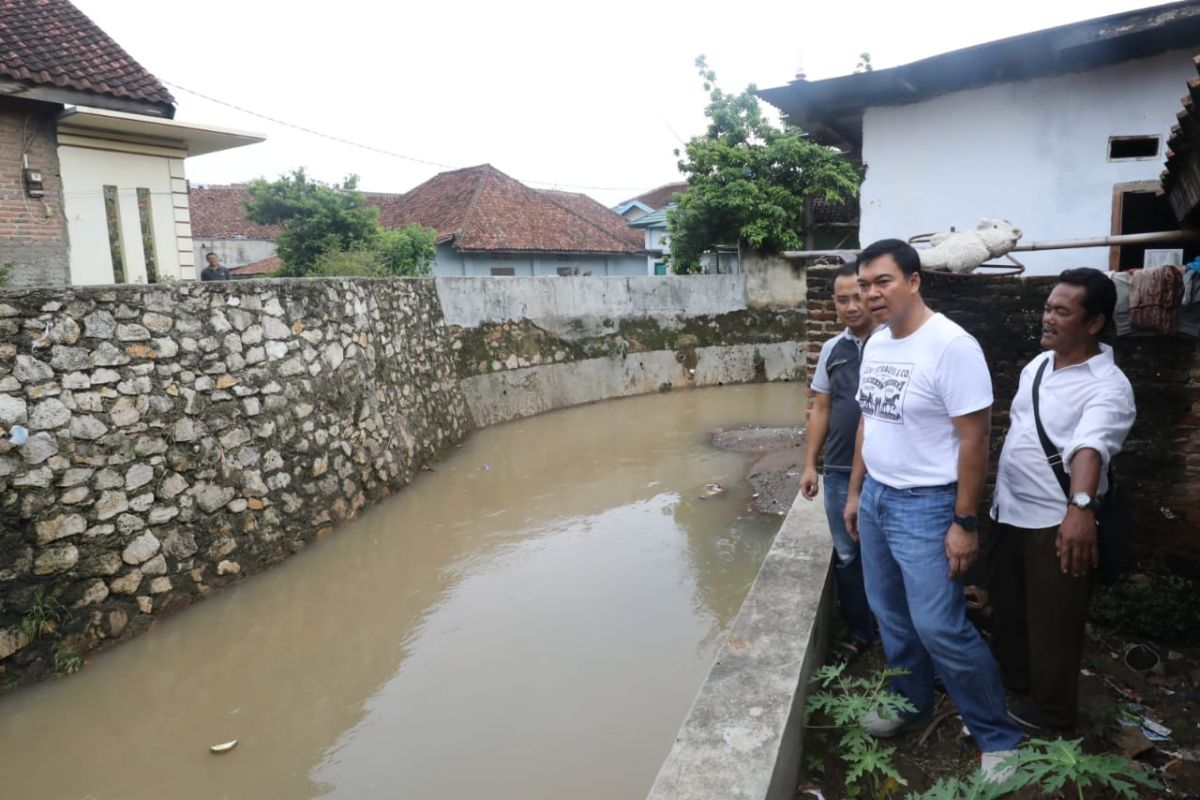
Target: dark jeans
{"points": [[1037, 620], [848, 569]]}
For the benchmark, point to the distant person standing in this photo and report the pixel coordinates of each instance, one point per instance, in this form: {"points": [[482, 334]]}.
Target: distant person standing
{"points": [[832, 425], [919, 463], [1046, 545], [214, 271]]}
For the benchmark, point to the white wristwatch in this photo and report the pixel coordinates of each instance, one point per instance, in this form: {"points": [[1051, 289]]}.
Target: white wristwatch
{"points": [[1084, 501]]}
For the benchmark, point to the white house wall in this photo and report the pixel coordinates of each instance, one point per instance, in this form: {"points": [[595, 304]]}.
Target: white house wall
{"points": [[85, 173], [454, 264], [234, 252], [1034, 152]]}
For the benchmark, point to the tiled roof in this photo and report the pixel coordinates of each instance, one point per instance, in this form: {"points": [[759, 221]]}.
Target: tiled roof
{"points": [[218, 213], [52, 43], [658, 198], [260, 267], [482, 209], [596, 213]]}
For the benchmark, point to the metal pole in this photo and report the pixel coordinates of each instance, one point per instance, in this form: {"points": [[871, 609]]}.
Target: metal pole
{"points": [[1161, 237]]}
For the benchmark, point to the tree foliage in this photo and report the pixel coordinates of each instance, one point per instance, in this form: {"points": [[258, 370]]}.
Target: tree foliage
{"points": [[328, 230], [748, 179]]}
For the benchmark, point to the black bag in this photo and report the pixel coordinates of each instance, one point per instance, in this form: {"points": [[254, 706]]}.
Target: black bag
{"points": [[1112, 514]]}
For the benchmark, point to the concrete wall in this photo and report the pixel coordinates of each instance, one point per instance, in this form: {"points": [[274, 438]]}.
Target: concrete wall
{"points": [[33, 231], [528, 345], [183, 437], [233, 252], [742, 737], [450, 263], [86, 172], [1034, 152], [1160, 466]]}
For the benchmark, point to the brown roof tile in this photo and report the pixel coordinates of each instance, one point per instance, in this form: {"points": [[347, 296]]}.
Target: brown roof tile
{"points": [[217, 212], [260, 267], [657, 198], [482, 209], [52, 43]]}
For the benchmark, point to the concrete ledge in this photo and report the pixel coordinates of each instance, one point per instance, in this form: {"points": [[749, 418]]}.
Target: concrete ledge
{"points": [[742, 737], [512, 394], [471, 302]]}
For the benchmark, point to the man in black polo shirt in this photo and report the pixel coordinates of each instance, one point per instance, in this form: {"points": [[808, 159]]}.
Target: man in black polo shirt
{"points": [[832, 424]]}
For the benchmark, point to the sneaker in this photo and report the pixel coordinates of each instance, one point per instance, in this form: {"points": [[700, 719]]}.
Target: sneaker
{"points": [[882, 728], [994, 768]]}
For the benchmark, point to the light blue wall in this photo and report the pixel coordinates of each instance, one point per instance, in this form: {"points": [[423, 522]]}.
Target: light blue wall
{"points": [[451, 264]]}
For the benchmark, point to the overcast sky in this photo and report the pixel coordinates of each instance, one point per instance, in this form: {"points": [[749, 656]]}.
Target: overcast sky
{"points": [[584, 96]]}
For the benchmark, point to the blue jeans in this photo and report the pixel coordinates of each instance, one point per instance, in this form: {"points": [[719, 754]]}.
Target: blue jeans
{"points": [[922, 613], [848, 569]]}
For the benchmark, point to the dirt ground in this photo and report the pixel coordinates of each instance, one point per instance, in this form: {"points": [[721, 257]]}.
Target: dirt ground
{"points": [[777, 459], [1110, 692]]}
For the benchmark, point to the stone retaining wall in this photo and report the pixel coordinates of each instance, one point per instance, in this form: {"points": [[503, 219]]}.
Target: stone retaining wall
{"points": [[184, 436]]}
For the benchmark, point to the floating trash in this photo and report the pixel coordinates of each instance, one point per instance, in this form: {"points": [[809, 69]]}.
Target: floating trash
{"points": [[223, 747], [711, 490]]}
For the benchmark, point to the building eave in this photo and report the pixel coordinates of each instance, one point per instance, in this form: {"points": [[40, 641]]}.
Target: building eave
{"points": [[832, 109]]}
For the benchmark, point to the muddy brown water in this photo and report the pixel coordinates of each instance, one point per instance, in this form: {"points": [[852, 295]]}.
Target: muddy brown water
{"points": [[531, 620]]}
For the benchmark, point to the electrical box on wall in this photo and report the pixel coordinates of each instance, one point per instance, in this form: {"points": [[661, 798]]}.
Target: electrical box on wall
{"points": [[33, 183]]}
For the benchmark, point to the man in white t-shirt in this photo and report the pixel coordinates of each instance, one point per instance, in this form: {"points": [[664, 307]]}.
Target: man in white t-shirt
{"points": [[920, 458], [1045, 547]]}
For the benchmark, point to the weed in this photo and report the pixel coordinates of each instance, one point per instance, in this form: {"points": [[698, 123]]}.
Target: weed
{"points": [[5, 272], [847, 701], [43, 616], [67, 662], [1154, 605], [1050, 766]]}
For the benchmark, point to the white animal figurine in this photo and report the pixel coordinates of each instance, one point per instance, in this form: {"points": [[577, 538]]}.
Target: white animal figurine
{"points": [[963, 251]]}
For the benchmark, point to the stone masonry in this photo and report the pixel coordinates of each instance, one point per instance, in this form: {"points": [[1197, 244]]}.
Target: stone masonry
{"points": [[182, 437]]}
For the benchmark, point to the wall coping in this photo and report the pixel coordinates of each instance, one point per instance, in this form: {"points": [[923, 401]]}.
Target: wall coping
{"points": [[743, 735]]}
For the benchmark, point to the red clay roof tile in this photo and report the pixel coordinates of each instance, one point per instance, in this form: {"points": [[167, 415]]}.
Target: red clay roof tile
{"points": [[52, 43], [482, 209]]}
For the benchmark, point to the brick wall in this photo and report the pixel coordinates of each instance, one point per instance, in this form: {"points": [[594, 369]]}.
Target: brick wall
{"points": [[33, 233], [1161, 461]]}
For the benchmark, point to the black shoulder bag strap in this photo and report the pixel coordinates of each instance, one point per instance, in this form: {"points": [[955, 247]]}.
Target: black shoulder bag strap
{"points": [[1053, 454]]}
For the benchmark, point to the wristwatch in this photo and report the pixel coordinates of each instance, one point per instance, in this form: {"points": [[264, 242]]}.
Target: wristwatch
{"points": [[970, 523], [1084, 501]]}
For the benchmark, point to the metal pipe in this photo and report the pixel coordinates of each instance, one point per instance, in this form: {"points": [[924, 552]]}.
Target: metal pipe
{"points": [[1161, 237]]}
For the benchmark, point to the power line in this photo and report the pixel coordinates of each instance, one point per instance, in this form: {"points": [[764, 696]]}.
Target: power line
{"points": [[380, 150]]}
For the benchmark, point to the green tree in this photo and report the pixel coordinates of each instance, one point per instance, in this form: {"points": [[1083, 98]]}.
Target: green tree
{"points": [[748, 179], [316, 217], [407, 251]]}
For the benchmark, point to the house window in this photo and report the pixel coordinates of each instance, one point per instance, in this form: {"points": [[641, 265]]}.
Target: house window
{"points": [[660, 268], [566, 272], [1121, 148], [112, 214], [503, 272], [147, 221]]}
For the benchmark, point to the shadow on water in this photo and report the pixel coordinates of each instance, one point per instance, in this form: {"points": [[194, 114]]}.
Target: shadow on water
{"points": [[531, 620]]}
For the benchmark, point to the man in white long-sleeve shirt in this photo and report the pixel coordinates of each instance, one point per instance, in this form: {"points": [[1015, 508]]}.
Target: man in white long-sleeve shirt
{"points": [[1045, 551]]}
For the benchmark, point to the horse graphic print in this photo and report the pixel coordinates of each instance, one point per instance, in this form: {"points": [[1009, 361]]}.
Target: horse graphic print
{"points": [[881, 391]]}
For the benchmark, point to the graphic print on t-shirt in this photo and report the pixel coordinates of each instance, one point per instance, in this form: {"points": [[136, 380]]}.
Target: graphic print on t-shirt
{"points": [[881, 390]]}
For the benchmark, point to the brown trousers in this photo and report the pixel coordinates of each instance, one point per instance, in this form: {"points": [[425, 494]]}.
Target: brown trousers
{"points": [[1037, 620]]}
